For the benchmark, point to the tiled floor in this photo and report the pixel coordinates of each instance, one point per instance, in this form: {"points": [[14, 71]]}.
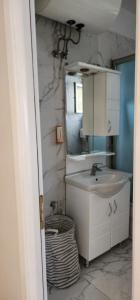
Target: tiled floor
{"points": [[107, 277]]}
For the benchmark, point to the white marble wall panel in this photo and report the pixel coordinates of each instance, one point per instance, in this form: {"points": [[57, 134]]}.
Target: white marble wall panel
{"points": [[52, 95], [51, 91], [113, 45]]}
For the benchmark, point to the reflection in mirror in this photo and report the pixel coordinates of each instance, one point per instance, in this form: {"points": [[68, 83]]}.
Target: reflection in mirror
{"points": [[74, 115], [78, 97], [77, 142]]}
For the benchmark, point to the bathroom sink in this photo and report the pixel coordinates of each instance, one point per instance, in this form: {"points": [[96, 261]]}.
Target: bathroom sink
{"points": [[105, 183]]}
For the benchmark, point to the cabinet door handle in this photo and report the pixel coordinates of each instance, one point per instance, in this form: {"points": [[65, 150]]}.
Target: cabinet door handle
{"points": [[110, 212], [115, 206]]}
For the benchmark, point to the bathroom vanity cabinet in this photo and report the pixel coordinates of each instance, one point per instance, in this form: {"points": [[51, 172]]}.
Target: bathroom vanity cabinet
{"points": [[101, 104], [101, 223]]}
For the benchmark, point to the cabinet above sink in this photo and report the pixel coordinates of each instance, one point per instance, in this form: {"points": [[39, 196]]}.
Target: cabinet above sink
{"points": [[101, 104], [100, 94]]}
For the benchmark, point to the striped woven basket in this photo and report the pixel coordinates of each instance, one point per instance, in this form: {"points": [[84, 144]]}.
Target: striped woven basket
{"points": [[61, 251]]}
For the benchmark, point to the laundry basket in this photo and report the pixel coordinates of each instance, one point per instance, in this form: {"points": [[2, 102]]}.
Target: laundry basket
{"points": [[61, 251]]}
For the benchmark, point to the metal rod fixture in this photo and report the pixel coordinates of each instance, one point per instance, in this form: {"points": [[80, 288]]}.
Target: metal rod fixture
{"points": [[66, 37]]}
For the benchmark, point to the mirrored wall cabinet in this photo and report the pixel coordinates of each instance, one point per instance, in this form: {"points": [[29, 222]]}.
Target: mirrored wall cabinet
{"points": [[101, 100]]}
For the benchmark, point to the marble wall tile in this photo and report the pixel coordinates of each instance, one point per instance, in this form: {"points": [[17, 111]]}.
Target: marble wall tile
{"points": [[112, 46], [52, 94], [52, 104]]}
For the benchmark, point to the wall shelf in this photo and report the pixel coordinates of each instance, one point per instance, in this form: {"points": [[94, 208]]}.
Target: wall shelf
{"points": [[91, 69], [78, 158]]}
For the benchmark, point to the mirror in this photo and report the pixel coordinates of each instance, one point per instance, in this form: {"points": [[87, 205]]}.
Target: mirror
{"points": [[77, 142]]}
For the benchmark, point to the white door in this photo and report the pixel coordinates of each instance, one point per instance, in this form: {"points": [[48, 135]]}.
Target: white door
{"points": [[113, 103], [38, 140], [120, 215], [100, 217]]}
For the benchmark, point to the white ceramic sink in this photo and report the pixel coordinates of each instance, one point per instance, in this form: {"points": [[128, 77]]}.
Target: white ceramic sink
{"points": [[104, 183]]}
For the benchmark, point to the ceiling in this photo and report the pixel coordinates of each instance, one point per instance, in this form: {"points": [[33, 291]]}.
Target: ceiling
{"points": [[129, 5]]}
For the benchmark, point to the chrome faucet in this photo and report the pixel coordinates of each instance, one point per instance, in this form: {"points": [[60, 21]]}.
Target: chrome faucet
{"points": [[95, 168]]}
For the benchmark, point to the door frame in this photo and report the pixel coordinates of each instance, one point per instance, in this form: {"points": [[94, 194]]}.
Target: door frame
{"points": [[122, 60], [38, 134], [136, 168]]}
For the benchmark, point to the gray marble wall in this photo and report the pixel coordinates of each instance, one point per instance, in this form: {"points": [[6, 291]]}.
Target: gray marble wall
{"points": [[92, 49], [113, 46]]}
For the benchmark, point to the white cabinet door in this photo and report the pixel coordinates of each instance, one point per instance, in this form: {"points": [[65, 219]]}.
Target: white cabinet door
{"points": [[113, 86], [100, 217], [106, 104], [120, 215], [77, 207], [113, 103], [100, 105], [112, 122], [88, 105]]}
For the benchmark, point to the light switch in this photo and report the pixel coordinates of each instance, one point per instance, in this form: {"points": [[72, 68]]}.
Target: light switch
{"points": [[59, 134]]}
